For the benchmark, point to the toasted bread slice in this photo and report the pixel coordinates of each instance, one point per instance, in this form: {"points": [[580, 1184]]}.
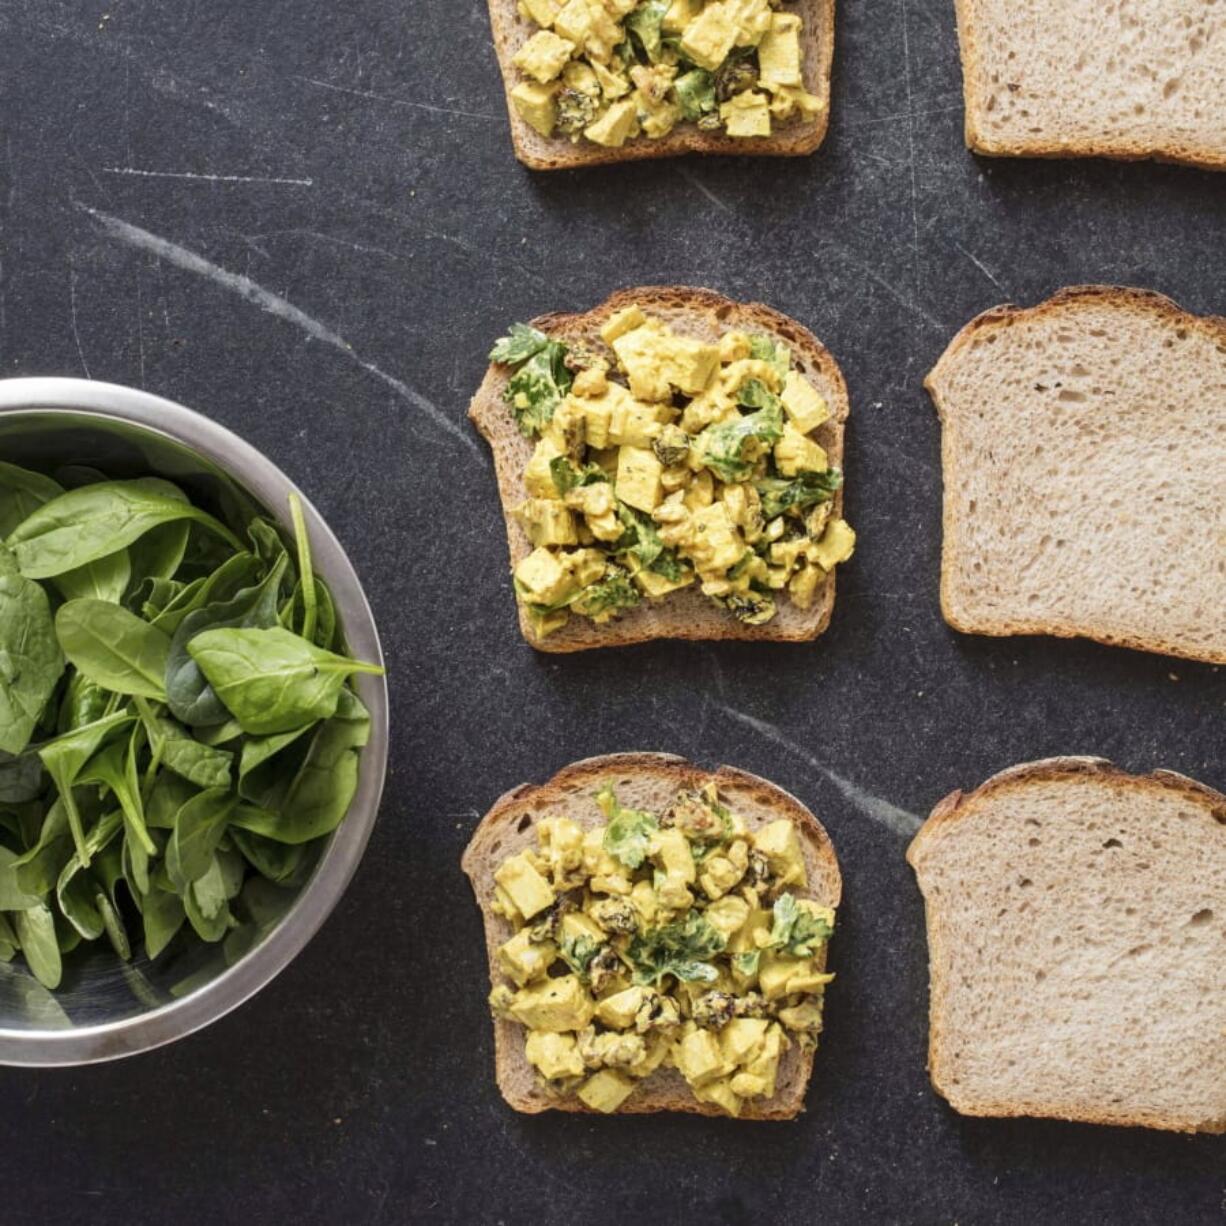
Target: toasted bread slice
{"points": [[1077, 946], [793, 138], [686, 614], [1084, 454], [647, 781], [1076, 78]]}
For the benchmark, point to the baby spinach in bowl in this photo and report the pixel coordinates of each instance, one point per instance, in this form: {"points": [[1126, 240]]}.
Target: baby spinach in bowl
{"points": [[178, 727], [84, 432]]}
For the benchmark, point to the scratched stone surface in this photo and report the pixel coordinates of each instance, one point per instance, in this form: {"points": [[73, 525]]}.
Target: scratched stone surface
{"points": [[304, 220]]}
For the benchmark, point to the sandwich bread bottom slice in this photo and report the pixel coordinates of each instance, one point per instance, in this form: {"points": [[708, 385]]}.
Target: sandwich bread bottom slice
{"points": [[1077, 946], [648, 781]]}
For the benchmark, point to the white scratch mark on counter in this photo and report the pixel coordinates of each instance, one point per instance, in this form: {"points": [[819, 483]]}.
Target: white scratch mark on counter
{"points": [[881, 811], [184, 174], [906, 54], [417, 106], [274, 304], [873, 275], [690, 177], [983, 268], [72, 306]]}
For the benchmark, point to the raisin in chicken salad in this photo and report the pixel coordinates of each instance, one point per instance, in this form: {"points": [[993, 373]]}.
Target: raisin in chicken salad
{"points": [[663, 462], [607, 71], [671, 940]]}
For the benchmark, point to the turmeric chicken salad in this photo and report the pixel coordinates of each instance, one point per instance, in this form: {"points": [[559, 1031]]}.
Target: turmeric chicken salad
{"points": [[607, 71], [674, 940], [664, 462]]}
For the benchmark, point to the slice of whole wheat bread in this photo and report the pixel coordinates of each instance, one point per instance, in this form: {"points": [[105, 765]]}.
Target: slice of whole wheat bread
{"points": [[686, 614], [1084, 455], [791, 139], [646, 781], [1079, 78], [1077, 946]]}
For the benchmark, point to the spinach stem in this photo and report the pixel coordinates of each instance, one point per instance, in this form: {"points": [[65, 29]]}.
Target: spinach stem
{"points": [[306, 576]]}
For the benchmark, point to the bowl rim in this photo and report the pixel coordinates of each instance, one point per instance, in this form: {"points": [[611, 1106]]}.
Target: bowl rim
{"points": [[265, 481]]}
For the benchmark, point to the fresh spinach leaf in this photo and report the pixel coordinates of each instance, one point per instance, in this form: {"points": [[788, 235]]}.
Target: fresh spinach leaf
{"points": [[278, 862], [103, 579], [113, 647], [30, 658], [695, 92], [779, 494], [21, 777], [723, 445], [159, 553], [325, 783], [38, 868], [96, 520], [35, 929], [64, 759], [84, 702], [643, 25], [12, 896], [174, 747], [198, 828], [774, 353], [22, 492], [162, 916], [191, 698], [613, 592], [115, 767], [272, 680]]}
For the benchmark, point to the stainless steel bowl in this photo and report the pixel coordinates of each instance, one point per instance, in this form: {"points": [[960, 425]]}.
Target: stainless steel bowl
{"points": [[105, 1008]]}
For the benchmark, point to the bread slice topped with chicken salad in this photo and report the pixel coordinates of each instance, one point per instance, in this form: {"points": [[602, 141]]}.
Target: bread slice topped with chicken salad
{"points": [[657, 939], [594, 81], [670, 466], [1077, 941]]}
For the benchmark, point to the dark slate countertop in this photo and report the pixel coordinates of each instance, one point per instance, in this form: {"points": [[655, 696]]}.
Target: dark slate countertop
{"points": [[305, 220]]}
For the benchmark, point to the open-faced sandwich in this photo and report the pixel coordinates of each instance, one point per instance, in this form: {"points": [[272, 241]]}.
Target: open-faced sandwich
{"points": [[670, 467], [591, 81], [657, 939]]}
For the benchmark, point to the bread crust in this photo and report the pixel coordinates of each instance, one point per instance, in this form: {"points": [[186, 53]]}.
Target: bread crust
{"points": [[1122, 149], [686, 614], [958, 805], [1005, 316], [793, 139], [504, 829]]}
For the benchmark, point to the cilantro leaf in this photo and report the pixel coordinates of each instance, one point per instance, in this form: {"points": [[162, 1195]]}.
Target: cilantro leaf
{"points": [[679, 949], [537, 388], [629, 830], [779, 494], [518, 346], [796, 931]]}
